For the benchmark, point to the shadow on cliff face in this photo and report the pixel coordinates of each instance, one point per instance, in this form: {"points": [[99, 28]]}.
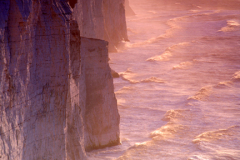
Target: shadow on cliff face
{"points": [[43, 88], [72, 3]]}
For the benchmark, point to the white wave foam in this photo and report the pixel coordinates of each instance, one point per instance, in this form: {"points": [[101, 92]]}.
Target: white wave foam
{"points": [[165, 56], [223, 84], [195, 11], [167, 131], [173, 115], [140, 144], [128, 79], [228, 133], [120, 101], [232, 25], [236, 76], [183, 65], [124, 89], [128, 75], [202, 94], [149, 41], [168, 33], [152, 79]]}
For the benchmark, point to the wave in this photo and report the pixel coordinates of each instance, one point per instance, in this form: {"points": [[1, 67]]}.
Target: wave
{"points": [[167, 131], [120, 101], [171, 128], [152, 79], [232, 25], [236, 76], [146, 42], [125, 88], [203, 14], [227, 134], [172, 23], [195, 11], [143, 144], [128, 75], [223, 84], [202, 94], [173, 115], [168, 52], [183, 65], [163, 57], [128, 79]]}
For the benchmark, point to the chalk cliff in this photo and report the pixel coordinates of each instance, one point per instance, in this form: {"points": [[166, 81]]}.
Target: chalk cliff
{"points": [[102, 19], [101, 118], [56, 89], [128, 9]]}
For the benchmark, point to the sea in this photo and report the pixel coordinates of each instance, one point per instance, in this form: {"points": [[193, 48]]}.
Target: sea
{"points": [[179, 88]]}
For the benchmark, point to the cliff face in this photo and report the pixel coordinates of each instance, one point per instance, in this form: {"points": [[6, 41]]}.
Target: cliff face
{"points": [[56, 90], [102, 19], [101, 118], [36, 94], [128, 9]]}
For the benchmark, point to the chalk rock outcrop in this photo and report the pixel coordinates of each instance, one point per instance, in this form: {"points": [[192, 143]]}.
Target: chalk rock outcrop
{"points": [[128, 9], [102, 19], [101, 118], [56, 89]]}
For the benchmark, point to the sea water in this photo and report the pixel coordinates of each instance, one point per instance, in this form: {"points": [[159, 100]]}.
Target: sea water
{"points": [[179, 88]]}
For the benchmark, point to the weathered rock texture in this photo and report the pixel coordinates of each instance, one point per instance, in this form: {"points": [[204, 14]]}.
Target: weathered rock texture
{"points": [[53, 84], [101, 118], [39, 106], [102, 19]]}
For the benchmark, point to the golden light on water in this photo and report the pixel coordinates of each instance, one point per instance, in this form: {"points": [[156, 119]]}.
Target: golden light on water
{"points": [[178, 91]]}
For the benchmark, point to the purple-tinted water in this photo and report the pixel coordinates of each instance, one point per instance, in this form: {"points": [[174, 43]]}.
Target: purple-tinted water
{"points": [[178, 95]]}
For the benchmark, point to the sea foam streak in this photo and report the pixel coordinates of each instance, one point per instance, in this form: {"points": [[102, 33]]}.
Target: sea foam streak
{"points": [[232, 25], [168, 52], [197, 127], [228, 133], [172, 23], [223, 84], [202, 94], [183, 65], [175, 115], [167, 131], [163, 57], [236, 76], [152, 79], [129, 75]]}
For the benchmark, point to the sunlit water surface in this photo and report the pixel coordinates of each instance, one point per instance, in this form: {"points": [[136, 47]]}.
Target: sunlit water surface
{"points": [[178, 95]]}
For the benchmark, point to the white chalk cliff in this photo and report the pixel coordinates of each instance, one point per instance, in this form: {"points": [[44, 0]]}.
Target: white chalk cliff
{"points": [[102, 19], [128, 9], [56, 90]]}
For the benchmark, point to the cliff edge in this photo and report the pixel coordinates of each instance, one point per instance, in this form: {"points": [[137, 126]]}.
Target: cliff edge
{"points": [[56, 89], [128, 9], [102, 19]]}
